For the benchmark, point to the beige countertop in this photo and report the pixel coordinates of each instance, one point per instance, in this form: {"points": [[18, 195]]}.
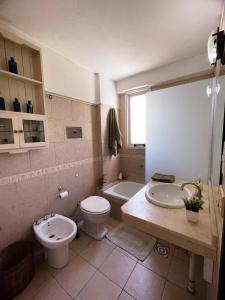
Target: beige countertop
{"points": [[171, 224]]}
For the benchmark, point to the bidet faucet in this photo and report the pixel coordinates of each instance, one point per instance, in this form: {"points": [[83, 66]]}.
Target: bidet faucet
{"points": [[198, 192]]}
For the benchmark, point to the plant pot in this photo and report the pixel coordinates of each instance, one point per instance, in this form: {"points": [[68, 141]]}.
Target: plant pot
{"points": [[192, 216]]}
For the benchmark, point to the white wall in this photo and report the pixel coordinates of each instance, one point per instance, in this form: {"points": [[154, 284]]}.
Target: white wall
{"points": [[64, 77], [177, 69], [108, 94], [178, 131], [61, 76]]}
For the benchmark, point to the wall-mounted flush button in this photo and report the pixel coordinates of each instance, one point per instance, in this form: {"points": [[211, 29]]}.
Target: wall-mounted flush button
{"points": [[73, 132]]}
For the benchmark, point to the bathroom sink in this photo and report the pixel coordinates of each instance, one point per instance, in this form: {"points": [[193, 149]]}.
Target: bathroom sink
{"points": [[167, 195]]}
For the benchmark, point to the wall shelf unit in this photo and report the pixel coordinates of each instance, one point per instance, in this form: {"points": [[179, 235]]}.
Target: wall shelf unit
{"points": [[21, 131], [19, 77]]}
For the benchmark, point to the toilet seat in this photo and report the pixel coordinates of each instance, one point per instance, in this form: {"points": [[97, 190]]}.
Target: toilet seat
{"points": [[95, 205]]}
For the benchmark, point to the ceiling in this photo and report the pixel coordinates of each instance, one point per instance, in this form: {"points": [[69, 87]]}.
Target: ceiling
{"points": [[117, 38]]}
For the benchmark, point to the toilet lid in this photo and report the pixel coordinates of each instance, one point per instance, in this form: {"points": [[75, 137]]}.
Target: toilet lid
{"points": [[95, 204]]}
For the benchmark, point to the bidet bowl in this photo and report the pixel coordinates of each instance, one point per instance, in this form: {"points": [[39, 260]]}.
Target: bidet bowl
{"points": [[55, 234], [167, 195]]}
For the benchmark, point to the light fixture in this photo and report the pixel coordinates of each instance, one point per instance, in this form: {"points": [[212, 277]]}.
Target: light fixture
{"points": [[216, 43]]}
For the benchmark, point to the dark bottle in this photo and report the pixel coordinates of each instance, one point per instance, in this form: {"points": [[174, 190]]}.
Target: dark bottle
{"points": [[16, 105], [12, 66], [2, 103], [29, 107]]}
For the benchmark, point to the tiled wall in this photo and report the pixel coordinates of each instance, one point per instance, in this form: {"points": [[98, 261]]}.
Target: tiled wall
{"points": [[111, 165], [29, 181], [132, 160]]}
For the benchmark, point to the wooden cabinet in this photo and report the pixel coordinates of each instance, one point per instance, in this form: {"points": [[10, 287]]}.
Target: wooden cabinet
{"points": [[21, 131]]}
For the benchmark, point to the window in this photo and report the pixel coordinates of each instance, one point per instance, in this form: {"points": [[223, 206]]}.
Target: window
{"points": [[136, 105]]}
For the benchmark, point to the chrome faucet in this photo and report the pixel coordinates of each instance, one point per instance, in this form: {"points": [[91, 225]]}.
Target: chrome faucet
{"points": [[198, 192]]}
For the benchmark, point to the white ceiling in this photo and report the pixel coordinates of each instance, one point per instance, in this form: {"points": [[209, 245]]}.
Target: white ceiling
{"points": [[117, 38]]}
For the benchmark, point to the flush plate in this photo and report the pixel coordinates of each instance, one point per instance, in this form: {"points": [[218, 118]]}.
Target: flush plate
{"points": [[74, 132]]}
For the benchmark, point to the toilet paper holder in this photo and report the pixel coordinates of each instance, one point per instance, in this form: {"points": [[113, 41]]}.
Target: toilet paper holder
{"points": [[62, 193]]}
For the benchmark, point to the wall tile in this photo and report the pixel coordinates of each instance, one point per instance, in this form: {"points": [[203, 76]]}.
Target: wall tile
{"points": [[42, 158], [14, 163], [56, 130], [70, 180], [33, 198], [61, 109], [10, 215], [79, 111]]}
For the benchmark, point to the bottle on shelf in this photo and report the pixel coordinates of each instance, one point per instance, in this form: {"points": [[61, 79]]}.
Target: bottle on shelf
{"points": [[30, 108], [12, 66], [2, 103], [16, 105]]}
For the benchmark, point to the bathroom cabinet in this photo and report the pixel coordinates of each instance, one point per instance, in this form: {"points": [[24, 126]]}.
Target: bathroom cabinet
{"points": [[21, 131]]}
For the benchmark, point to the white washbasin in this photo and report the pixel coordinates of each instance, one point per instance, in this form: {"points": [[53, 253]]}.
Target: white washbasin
{"points": [[167, 195]]}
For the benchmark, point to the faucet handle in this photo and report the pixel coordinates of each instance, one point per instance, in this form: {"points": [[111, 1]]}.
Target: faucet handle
{"points": [[37, 222], [52, 214]]}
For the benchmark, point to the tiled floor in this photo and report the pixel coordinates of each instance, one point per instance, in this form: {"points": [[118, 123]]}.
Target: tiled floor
{"points": [[102, 271]]}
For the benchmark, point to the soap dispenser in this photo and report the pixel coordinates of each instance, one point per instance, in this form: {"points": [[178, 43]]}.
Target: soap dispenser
{"points": [[16, 105], [29, 107], [12, 66]]}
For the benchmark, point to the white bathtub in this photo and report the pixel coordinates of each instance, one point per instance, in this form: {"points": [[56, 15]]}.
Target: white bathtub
{"points": [[124, 190]]}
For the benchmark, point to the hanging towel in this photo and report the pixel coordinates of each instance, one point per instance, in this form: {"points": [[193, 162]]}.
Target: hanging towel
{"points": [[114, 138]]}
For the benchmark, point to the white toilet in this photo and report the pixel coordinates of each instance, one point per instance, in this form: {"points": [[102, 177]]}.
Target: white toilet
{"points": [[95, 211], [55, 232]]}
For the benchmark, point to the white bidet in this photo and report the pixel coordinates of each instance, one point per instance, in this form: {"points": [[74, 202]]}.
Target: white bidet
{"points": [[55, 232]]}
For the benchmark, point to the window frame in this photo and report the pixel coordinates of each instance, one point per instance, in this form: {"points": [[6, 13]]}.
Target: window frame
{"points": [[128, 133]]}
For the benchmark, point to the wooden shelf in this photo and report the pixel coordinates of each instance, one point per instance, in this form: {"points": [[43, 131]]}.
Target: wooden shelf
{"points": [[19, 77]]}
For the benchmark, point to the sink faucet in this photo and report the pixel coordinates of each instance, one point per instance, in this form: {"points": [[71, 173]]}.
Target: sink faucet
{"points": [[198, 192]]}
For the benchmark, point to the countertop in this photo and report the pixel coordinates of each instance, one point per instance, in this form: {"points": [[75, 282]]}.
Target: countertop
{"points": [[171, 224]]}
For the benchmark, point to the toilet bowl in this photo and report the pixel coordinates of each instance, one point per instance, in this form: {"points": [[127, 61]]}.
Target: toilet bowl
{"points": [[95, 211], [55, 232]]}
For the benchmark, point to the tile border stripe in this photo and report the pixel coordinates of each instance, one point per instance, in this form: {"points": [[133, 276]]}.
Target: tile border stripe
{"points": [[45, 171]]}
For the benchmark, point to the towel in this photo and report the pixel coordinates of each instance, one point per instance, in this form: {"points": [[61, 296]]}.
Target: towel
{"points": [[114, 137], [163, 178]]}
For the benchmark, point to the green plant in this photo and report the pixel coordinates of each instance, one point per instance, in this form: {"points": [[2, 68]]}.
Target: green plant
{"points": [[193, 204]]}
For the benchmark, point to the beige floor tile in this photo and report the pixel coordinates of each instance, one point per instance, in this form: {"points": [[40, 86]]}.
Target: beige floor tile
{"points": [[96, 253], [51, 290], [158, 263], [127, 254], [99, 288], [118, 267], [108, 242], [144, 284], [111, 223], [178, 272], [40, 277], [181, 253], [173, 292], [125, 296], [82, 243], [75, 275]]}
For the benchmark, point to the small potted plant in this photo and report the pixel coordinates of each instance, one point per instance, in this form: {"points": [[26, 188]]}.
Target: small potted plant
{"points": [[193, 205]]}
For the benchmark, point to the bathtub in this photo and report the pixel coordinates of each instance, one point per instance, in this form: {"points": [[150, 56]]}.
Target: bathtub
{"points": [[119, 193]]}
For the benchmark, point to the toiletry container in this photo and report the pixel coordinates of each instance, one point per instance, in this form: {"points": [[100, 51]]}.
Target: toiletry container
{"points": [[29, 107], [12, 66], [2, 103], [16, 105]]}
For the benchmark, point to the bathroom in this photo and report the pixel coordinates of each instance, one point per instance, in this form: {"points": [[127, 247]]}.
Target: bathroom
{"points": [[111, 114]]}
